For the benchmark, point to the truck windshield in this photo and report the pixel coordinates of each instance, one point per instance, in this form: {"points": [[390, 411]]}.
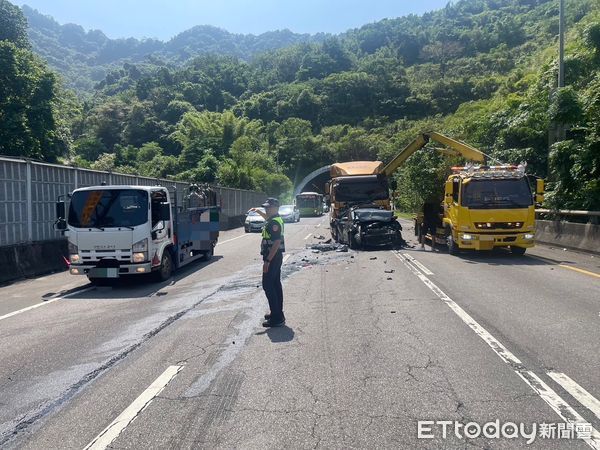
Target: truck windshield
{"points": [[361, 190], [503, 193], [108, 208]]}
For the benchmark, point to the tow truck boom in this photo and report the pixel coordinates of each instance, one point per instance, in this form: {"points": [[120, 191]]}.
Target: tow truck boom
{"points": [[456, 148]]}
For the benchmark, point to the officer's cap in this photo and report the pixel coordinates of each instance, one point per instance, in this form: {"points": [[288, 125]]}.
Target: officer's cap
{"points": [[271, 202]]}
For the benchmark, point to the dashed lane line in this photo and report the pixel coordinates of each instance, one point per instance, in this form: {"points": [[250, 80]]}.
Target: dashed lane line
{"points": [[307, 236], [546, 393], [116, 427]]}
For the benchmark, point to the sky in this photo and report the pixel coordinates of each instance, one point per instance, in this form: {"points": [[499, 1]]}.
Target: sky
{"points": [[163, 19]]}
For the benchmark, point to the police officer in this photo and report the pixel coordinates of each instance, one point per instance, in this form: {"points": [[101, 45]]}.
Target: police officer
{"points": [[271, 249]]}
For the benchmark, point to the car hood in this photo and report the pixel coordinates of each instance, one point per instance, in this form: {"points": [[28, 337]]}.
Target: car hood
{"points": [[369, 215], [255, 219]]}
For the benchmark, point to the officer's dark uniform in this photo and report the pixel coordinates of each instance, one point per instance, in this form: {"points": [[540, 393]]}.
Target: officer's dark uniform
{"points": [[271, 281]]}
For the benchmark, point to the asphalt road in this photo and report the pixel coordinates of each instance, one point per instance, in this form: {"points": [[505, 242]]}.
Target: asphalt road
{"points": [[376, 341]]}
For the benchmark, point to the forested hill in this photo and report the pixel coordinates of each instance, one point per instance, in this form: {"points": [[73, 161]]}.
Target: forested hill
{"points": [[84, 58], [483, 71]]}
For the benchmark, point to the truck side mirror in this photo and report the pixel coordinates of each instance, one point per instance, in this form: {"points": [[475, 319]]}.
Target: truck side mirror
{"points": [[164, 212], [539, 191], [60, 224], [60, 209], [449, 192], [327, 187]]}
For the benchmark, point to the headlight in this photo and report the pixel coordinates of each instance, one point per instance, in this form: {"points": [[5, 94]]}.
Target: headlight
{"points": [[467, 237], [140, 246], [73, 254], [529, 236], [140, 257]]}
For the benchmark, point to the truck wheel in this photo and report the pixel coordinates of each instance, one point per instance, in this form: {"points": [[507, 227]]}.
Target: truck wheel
{"points": [[166, 267], [451, 243], [517, 250], [209, 254]]}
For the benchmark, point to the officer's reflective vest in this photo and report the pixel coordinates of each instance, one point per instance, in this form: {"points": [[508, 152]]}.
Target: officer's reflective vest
{"points": [[267, 243]]}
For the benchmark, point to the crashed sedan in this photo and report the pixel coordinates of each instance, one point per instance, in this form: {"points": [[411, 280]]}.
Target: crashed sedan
{"points": [[363, 227]]}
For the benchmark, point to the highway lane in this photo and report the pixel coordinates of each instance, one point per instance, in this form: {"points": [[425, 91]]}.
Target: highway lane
{"points": [[369, 350]]}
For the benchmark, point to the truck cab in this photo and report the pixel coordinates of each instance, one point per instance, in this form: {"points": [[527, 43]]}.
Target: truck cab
{"points": [[131, 230], [487, 207]]}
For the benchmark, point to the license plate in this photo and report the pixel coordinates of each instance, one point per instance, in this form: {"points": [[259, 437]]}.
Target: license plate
{"points": [[104, 272]]}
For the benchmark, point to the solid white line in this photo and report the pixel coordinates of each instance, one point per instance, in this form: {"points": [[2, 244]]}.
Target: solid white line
{"points": [[307, 236], [286, 257], [111, 432], [562, 408], [424, 269], [232, 239], [29, 308], [579, 393]]}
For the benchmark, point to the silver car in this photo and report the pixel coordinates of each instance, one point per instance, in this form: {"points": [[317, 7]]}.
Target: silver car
{"points": [[289, 213], [254, 221]]}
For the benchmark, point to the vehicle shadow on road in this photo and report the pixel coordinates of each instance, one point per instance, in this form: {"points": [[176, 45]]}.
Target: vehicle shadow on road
{"points": [[501, 257], [140, 286], [278, 334]]}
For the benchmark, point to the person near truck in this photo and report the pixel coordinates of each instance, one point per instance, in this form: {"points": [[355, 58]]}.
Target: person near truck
{"points": [[431, 218], [272, 248]]}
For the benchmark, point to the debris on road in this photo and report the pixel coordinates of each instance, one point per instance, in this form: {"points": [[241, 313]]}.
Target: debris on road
{"points": [[373, 258], [390, 271]]}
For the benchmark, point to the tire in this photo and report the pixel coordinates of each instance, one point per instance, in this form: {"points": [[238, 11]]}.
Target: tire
{"points": [[352, 242], [166, 267], [517, 250], [453, 248], [209, 254]]}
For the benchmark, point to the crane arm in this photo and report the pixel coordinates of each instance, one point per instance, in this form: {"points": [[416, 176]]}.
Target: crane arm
{"points": [[456, 148]]}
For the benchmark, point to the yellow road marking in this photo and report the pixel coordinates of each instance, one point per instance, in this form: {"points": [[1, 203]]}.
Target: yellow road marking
{"points": [[576, 269]]}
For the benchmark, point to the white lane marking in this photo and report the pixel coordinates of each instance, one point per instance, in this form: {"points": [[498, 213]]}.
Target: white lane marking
{"points": [[232, 239], [562, 408], [579, 393], [29, 308], [111, 432], [319, 224], [37, 305], [286, 257], [424, 269], [307, 236]]}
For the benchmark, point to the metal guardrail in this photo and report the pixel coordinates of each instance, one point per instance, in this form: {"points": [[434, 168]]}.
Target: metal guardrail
{"points": [[29, 190], [568, 212]]}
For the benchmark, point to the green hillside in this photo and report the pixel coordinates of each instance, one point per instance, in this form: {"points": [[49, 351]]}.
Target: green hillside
{"points": [[480, 70]]}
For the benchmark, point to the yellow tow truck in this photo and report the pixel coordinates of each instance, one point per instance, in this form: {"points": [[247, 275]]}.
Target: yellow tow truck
{"points": [[483, 206]]}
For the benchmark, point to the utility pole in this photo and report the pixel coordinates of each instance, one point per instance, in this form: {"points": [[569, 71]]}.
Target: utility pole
{"points": [[561, 45]]}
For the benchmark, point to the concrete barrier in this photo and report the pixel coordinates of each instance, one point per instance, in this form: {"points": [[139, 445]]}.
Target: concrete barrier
{"points": [[32, 259], [578, 236]]}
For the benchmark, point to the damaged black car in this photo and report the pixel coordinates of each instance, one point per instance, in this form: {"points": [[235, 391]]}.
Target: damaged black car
{"points": [[368, 227]]}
